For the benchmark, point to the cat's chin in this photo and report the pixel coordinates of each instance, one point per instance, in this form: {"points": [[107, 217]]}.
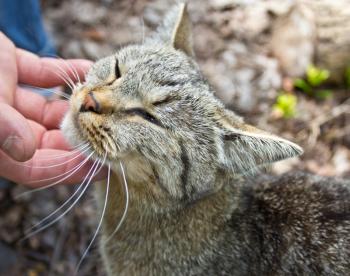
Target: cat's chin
{"points": [[69, 131]]}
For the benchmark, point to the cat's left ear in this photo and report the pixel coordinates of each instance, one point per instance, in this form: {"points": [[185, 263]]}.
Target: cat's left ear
{"points": [[245, 147], [182, 33]]}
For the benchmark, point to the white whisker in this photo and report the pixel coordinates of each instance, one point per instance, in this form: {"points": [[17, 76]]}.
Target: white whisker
{"points": [[55, 165], [100, 222], [63, 75], [80, 145], [67, 201], [126, 204], [60, 93], [58, 156], [143, 30], [57, 176], [56, 182], [70, 67], [66, 211]]}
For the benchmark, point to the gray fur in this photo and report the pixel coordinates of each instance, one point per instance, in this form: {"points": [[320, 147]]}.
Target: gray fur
{"points": [[191, 211]]}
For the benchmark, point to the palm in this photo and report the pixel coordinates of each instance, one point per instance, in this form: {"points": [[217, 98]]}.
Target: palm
{"points": [[30, 118]]}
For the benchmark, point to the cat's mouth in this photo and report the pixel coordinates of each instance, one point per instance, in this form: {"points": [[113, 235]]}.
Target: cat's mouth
{"points": [[85, 128]]}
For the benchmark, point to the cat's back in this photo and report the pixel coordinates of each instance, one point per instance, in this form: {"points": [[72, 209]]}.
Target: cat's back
{"points": [[300, 223]]}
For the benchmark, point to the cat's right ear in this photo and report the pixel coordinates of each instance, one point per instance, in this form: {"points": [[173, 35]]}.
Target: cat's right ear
{"points": [[176, 29], [182, 32]]}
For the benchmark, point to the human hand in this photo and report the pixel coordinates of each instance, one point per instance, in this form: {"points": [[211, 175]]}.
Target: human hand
{"points": [[29, 124]]}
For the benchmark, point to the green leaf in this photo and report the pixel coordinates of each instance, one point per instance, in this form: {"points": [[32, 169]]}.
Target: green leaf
{"points": [[303, 86], [316, 76], [324, 94], [347, 76], [286, 104]]}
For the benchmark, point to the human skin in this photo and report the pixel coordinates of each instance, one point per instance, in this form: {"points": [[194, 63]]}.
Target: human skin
{"points": [[29, 123]]}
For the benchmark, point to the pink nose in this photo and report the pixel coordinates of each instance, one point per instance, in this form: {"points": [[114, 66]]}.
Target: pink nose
{"points": [[90, 104]]}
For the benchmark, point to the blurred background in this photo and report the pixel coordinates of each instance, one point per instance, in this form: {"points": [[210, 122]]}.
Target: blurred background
{"points": [[283, 65]]}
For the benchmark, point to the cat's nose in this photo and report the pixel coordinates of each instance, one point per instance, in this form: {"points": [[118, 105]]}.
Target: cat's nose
{"points": [[90, 104]]}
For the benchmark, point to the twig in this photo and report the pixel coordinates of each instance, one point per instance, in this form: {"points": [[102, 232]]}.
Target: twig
{"points": [[318, 122]]}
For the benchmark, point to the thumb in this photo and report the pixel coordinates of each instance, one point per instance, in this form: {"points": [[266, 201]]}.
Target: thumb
{"points": [[16, 137]]}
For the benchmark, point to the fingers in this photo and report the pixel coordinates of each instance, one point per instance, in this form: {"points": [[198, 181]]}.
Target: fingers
{"points": [[44, 72], [8, 70], [35, 107], [16, 136], [53, 139], [44, 166], [48, 139]]}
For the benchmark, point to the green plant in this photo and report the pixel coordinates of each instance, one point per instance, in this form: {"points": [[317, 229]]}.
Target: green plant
{"points": [[347, 76], [315, 77], [286, 104]]}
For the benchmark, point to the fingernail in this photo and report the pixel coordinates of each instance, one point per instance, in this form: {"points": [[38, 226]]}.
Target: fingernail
{"points": [[14, 147]]}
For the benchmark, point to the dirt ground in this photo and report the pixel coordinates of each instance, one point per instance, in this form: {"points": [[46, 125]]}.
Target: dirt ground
{"points": [[93, 29]]}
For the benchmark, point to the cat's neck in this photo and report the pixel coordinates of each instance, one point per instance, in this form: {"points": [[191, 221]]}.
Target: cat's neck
{"points": [[146, 200], [143, 228]]}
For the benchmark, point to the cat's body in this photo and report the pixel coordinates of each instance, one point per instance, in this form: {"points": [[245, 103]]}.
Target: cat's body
{"points": [[295, 224], [190, 212]]}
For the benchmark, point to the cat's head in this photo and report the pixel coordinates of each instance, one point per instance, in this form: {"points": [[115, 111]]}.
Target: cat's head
{"points": [[149, 106]]}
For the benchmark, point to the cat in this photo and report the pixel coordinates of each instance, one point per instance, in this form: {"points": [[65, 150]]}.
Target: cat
{"points": [[193, 209]]}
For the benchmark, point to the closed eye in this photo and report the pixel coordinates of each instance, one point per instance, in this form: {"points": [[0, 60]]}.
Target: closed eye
{"points": [[144, 114], [117, 73], [117, 70], [166, 100]]}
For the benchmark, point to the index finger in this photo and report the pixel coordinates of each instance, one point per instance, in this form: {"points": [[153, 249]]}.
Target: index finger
{"points": [[37, 108], [47, 167], [8, 71], [49, 72]]}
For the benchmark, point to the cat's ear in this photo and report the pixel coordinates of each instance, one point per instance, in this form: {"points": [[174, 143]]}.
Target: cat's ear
{"points": [[245, 147], [182, 32], [176, 29]]}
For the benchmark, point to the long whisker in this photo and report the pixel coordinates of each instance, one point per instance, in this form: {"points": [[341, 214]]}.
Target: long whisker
{"points": [[62, 94], [80, 145], [55, 165], [63, 75], [143, 30], [100, 222], [126, 204], [57, 176], [71, 68], [58, 156], [66, 211], [56, 182], [67, 201]]}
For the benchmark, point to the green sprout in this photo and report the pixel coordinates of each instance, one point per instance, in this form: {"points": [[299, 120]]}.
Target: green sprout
{"points": [[347, 76], [315, 77], [286, 104]]}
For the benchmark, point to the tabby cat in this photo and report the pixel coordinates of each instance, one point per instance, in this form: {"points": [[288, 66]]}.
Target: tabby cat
{"points": [[192, 208]]}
